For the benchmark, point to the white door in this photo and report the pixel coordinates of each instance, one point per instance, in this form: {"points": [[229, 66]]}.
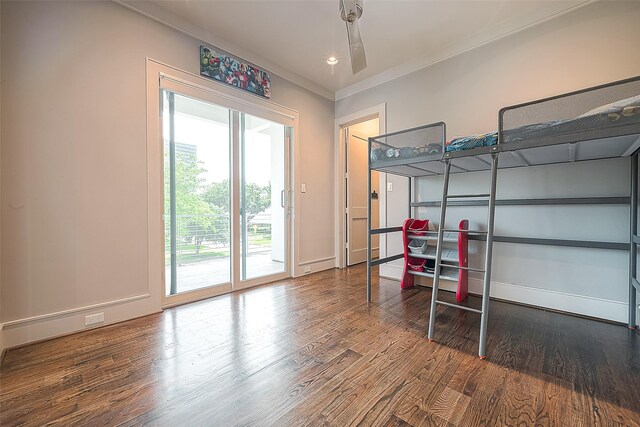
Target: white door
{"points": [[357, 194]]}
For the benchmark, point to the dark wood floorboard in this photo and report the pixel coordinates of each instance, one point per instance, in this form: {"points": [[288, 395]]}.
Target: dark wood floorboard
{"points": [[309, 351]]}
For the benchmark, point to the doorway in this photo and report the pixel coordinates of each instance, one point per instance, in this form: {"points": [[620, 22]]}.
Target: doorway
{"points": [[226, 198], [356, 192]]}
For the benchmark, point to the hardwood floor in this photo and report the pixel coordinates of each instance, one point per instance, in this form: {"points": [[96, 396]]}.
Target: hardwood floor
{"points": [[310, 352]]}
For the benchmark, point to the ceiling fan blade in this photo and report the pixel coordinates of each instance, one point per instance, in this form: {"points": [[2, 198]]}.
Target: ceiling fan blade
{"points": [[356, 48]]}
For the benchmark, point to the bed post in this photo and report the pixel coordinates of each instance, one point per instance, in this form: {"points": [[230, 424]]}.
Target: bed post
{"points": [[633, 245], [410, 195], [368, 220]]}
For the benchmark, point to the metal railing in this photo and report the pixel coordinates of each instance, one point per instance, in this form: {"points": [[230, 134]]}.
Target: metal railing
{"points": [[202, 237]]}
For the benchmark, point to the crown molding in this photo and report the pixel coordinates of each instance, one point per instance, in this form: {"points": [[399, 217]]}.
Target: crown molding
{"points": [[429, 60], [152, 11]]}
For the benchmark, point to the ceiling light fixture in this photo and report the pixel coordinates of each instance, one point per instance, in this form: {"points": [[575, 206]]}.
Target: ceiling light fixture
{"points": [[332, 60]]}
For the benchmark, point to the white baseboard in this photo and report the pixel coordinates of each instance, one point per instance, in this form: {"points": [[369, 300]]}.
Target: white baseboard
{"points": [[33, 329], [554, 300], [616, 311], [390, 271], [1, 343], [314, 266]]}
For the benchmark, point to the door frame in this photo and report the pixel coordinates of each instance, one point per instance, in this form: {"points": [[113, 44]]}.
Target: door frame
{"points": [[377, 111], [233, 99]]}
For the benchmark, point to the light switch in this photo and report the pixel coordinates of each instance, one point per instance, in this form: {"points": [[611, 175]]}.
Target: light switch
{"points": [[304, 188], [389, 186]]}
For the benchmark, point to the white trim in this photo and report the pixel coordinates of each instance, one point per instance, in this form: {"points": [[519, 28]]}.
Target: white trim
{"points": [[41, 317], [195, 295], [318, 265], [391, 272], [230, 101], [314, 261], [187, 83], [600, 308], [222, 289], [25, 331], [616, 311], [261, 280], [429, 60], [152, 11], [377, 111]]}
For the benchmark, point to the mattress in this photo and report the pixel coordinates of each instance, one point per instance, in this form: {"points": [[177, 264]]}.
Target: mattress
{"points": [[583, 127], [607, 120], [382, 153], [474, 141]]}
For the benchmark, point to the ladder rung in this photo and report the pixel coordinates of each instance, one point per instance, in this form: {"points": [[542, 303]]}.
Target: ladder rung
{"points": [[454, 230], [462, 268], [463, 196], [459, 306], [433, 238]]}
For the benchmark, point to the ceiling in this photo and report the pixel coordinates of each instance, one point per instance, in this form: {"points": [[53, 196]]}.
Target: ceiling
{"points": [[294, 38]]}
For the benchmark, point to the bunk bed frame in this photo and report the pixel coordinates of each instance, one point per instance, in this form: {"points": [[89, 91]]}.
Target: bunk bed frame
{"points": [[575, 143]]}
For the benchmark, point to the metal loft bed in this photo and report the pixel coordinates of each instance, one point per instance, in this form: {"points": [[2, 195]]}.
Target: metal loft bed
{"points": [[601, 122]]}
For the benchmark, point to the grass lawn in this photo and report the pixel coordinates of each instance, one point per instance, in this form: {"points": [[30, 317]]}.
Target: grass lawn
{"points": [[187, 251]]}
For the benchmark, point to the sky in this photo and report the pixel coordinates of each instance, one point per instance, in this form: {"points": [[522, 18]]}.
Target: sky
{"points": [[211, 138]]}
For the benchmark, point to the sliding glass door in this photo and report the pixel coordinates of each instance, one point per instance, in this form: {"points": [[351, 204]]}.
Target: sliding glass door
{"points": [[219, 163], [197, 198], [262, 197]]}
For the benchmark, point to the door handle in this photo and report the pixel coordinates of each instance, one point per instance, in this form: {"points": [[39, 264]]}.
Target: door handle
{"points": [[282, 198]]}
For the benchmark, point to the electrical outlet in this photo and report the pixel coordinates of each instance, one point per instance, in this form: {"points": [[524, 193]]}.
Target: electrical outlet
{"points": [[389, 186], [92, 319], [307, 270], [304, 188]]}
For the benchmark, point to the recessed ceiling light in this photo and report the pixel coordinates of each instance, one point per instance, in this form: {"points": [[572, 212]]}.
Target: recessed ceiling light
{"points": [[332, 60]]}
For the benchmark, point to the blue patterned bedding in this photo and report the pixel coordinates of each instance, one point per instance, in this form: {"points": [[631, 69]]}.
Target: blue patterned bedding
{"points": [[617, 114], [597, 123], [475, 141], [380, 154], [600, 122]]}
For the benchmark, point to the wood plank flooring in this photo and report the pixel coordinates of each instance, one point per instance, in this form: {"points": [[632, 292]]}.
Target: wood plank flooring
{"points": [[309, 351]]}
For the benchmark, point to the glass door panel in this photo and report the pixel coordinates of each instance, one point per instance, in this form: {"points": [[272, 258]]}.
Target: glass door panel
{"points": [[197, 193], [263, 215]]}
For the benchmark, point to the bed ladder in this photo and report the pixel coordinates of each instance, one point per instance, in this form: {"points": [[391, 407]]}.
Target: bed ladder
{"points": [[488, 253]]}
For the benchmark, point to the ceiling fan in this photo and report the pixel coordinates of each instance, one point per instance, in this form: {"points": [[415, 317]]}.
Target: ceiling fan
{"points": [[350, 12]]}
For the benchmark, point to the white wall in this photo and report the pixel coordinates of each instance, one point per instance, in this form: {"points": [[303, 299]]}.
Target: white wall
{"points": [[73, 166], [1, 326], [593, 45]]}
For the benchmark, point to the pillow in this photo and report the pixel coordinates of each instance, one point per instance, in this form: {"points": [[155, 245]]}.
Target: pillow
{"points": [[613, 107]]}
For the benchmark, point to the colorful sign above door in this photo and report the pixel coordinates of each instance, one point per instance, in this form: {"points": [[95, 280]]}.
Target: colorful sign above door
{"points": [[232, 71]]}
